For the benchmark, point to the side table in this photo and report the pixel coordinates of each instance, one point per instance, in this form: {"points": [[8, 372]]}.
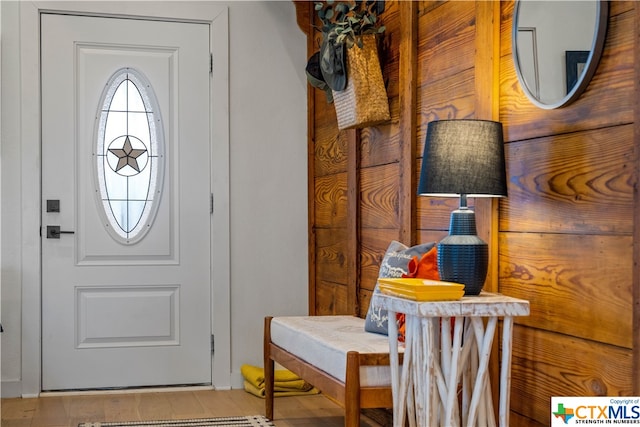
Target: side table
{"points": [[439, 361]]}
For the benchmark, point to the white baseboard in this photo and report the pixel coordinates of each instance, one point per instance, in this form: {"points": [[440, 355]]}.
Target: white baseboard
{"points": [[9, 389], [126, 391]]}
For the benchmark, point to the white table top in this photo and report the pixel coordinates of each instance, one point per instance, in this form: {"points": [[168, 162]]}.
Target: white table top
{"points": [[484, 305]]}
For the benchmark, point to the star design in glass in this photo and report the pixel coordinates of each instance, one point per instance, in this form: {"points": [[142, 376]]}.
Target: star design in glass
{"points": [[127, 155]]}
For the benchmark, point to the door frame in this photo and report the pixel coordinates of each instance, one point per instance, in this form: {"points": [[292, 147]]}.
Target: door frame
{"points": [[216, 16]]}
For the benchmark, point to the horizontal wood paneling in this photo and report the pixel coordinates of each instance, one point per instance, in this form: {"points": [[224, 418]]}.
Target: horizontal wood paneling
{"points": [[446, 41], [606, 101], [635, 371], [506, 11], [434, 212], [331, 298], [331, 201], [445, 64], [451, 97], [374, 244], [547, 364], [579, 285], [379, 145], [575, 183], [388, 51], [446, 86], [379, 196], [517, 420], [329, 148], [331, 255], [364, 296], [565, 241], [425, 236]]}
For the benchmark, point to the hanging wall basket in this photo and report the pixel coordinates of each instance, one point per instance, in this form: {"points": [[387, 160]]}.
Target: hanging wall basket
{"points": [[364, 101]]}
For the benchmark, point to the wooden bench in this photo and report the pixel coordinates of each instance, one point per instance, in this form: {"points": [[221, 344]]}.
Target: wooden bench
{"points": [[336, 355]]}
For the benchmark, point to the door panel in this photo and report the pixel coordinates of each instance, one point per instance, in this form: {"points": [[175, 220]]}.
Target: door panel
{"points": [[158, 326], [117, 314], [95, 65]]}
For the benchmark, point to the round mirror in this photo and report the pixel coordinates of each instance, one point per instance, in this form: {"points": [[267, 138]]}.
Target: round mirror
{"points": [[556, 47]]}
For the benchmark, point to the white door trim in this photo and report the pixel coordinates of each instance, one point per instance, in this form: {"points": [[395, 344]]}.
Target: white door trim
{"points": [[217, 17]]}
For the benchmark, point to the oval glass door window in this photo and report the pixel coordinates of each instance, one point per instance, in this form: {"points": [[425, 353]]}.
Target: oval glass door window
{"points": [[129, 156]]}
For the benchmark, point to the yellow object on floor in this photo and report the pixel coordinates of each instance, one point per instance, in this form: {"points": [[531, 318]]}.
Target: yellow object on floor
{"points": [[286, 383]]}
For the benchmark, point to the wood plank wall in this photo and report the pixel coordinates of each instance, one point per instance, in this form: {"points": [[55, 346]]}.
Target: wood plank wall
{"points": [[566, 229], [563, 239]]}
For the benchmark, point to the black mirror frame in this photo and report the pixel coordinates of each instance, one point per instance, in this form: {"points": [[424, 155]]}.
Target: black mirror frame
{"points": [[595, 53]]}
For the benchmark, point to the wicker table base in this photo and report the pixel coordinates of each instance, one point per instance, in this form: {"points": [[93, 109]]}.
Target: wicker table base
{"points": [[439, 362]]}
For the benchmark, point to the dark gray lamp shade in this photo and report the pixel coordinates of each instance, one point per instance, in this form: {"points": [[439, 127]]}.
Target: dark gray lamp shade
{"points": [[463, 158]]}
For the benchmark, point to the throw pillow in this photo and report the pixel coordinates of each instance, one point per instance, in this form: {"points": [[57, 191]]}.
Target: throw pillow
{"points": [[394, 264], [426, 268]]}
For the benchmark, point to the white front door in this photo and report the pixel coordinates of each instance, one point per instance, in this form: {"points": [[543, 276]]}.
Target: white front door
{"points": [[126, 279]]}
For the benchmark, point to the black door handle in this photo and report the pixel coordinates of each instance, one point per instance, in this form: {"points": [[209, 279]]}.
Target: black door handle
{"points": [[54, 232]]}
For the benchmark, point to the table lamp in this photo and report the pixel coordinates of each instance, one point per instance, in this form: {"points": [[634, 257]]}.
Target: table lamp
{"points": [[463, 158]]}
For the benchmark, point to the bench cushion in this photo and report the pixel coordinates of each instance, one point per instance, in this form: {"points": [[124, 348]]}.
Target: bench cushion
{"points": [[323, 341]]}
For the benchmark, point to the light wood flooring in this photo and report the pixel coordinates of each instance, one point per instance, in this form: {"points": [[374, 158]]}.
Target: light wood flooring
{"points": [[65, 410]]}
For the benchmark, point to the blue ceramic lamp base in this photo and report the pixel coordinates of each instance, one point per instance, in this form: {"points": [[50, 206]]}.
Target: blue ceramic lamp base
{"points": [[462, 256]]}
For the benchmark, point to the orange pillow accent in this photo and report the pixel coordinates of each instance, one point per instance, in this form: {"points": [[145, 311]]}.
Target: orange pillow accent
{"points": [[426, 268], [401, 326]]}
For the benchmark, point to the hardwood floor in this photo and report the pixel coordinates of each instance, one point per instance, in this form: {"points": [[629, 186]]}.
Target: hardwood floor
{"points": [[65, 410]]}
